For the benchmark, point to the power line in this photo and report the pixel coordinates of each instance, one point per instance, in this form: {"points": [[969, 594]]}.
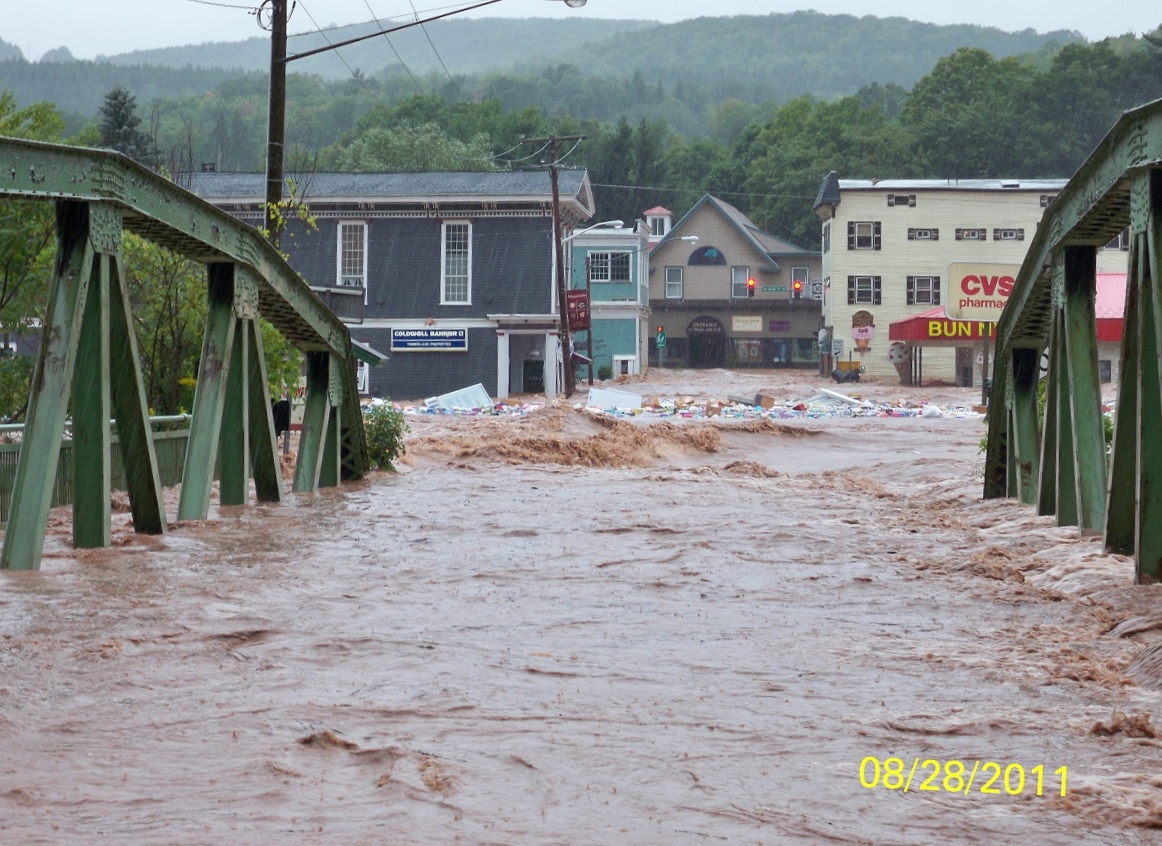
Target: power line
{"points": [[387, 38], [251, 9], [439, 58], [351, 71], [374, 20]]}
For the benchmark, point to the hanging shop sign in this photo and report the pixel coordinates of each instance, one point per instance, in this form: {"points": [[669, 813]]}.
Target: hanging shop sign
{"points": [[577, 303]]}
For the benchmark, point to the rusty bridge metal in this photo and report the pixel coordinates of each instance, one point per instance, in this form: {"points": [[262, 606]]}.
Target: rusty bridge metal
{"points": [[1057, 460], [89, 354]]}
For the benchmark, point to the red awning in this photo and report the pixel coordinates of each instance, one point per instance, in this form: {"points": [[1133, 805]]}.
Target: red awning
{"points": [[932, 328], [1110, 305]]}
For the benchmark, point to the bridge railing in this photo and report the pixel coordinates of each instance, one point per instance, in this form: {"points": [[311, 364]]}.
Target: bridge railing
{"points": [[1057, 459]]}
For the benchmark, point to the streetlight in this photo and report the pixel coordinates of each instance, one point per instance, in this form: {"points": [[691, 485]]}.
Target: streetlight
{"points": [[614, 224]]}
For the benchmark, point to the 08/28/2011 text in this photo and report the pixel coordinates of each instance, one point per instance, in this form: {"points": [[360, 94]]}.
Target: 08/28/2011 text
{"points": [[988, 777]]}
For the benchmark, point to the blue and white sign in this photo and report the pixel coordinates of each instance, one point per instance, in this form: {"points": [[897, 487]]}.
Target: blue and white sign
{"points": [[429, 340]]}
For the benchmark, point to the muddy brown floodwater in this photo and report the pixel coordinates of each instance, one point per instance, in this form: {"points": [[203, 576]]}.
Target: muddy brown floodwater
{"points": [[561, 629]]}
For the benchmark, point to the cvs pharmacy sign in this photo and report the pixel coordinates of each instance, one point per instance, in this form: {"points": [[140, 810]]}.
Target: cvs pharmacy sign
{"points": [[978, 291]]}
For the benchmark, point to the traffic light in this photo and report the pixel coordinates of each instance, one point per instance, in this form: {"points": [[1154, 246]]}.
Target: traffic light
{"points": [[797, 289], [660, 329], [750, 288]]}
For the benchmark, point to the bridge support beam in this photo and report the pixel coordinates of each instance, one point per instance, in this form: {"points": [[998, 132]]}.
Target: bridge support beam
{"points": [[1135, 498], [320, 442], [87, 349], [1024, 440], [232, 426]]}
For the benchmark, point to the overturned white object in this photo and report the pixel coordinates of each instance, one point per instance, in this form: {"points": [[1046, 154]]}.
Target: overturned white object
{"points": [[464, 399], [826, 397], [609, 398], [931, 411]]}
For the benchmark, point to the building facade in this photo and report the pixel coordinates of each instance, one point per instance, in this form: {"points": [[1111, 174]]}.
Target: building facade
{"points": [[455, 270], [723, 293], [613, 265], [887, 248]]}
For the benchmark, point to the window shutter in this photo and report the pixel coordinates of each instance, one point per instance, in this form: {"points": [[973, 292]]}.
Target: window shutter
{"points": [[876, 298], [911, 234], [935, 234], [959, 234], [851, 290], [851, 234], [935, 290], [911, 290], [876, 235], [1020, 234], [996, 234]]}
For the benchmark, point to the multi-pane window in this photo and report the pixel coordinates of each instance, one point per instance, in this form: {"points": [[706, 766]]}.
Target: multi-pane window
{"points": [[827, 237], [456, 275], [863, 290], [927, 234], [609, 267], [657, 226], [923, 290], [673, 283], [1008, 234], [352, 257], [739, 282], [863, 235], [972, 235]]}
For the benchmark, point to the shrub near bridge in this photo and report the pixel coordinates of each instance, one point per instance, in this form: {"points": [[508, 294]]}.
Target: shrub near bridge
{"points": [[384, 427]]}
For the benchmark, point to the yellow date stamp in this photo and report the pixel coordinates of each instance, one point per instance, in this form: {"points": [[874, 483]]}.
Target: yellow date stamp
{"points": [[988, 777]]}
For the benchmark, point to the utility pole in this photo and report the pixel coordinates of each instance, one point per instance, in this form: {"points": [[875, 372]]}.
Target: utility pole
{"points": [[276, 118], [564, 333]]}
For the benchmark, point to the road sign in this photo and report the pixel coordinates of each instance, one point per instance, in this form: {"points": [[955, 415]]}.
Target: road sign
{"points": [[774, 289], [660, 340], [837, 347]]}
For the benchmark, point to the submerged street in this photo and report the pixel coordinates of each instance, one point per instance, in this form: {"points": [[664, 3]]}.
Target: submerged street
{"points": [[565, 629]]}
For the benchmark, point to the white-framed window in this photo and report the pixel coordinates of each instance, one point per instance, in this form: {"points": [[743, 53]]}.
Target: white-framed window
{"points": [[1008, 234], [739, 282], [863, 234], [902, 200], [1122, 242], [351, 255], [864, 290], [972, 235], [609, 267], [674, 283], [456, 263], [923, 290], [926, 234], [657, 226], [363, 377], [827, 237]]}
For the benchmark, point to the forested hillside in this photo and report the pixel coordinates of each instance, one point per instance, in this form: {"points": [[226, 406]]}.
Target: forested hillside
{"points": [[596, 69]]}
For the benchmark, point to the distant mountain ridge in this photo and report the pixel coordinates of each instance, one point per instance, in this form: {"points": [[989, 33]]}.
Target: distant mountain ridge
{"points": [[769, 58]]}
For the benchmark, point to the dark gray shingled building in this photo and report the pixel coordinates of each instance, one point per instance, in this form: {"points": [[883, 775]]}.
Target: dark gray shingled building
{"points": [[454, 271]]}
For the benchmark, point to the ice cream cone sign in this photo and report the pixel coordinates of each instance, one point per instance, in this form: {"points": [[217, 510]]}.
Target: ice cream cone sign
{"points": [[863, 329]]}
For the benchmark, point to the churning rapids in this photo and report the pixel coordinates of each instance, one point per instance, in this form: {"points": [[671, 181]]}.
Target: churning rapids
{"points": [[559, 629]]}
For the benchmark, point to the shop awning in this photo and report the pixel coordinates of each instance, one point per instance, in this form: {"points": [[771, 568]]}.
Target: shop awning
{"points": [[1110, 306], [933, 329]]}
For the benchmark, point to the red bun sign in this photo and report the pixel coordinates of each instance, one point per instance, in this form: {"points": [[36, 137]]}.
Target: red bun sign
{"points": [[978, 291]]}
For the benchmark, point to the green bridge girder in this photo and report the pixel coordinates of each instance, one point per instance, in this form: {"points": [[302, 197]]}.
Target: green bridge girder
{"points": [[1058, 460], [89, 354]]}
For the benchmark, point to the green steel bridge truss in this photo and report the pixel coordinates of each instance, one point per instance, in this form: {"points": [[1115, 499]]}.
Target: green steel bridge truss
{"points": [[1058, 460], [89, 354]]}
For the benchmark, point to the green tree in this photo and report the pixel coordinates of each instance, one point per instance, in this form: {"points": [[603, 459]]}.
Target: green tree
{"points": [[410, 149], [27, 245], [120, 126]]}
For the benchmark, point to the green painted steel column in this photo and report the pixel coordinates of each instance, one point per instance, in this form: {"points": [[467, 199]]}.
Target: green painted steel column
{"points": [[1089, 464], [1026, 367], [209, 396], [316, 416], [1067, 502], [1047, 483], [1148, 548], [49, 398], [997, 446], [234, 440], [329, 468], [263, 443], [131, 411], [1122, 503], [91, 409]]}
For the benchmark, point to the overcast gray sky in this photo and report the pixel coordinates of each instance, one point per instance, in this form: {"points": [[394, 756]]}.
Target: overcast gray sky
{"points": [[94, 27]]}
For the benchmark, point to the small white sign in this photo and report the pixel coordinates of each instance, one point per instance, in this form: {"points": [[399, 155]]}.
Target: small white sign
{"points": [[837, 347], [747, 324]]}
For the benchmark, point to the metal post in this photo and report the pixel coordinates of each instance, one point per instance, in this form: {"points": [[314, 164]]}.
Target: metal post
{"points": [[562, 289]]}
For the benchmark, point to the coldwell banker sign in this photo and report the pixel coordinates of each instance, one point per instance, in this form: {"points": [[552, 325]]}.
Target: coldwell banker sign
{"points": [[429, 340], [979, 291]]}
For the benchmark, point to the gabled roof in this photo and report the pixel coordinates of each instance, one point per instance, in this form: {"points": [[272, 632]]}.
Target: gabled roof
{"points": [[764, 243], [657, 211], [520, 186]]}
